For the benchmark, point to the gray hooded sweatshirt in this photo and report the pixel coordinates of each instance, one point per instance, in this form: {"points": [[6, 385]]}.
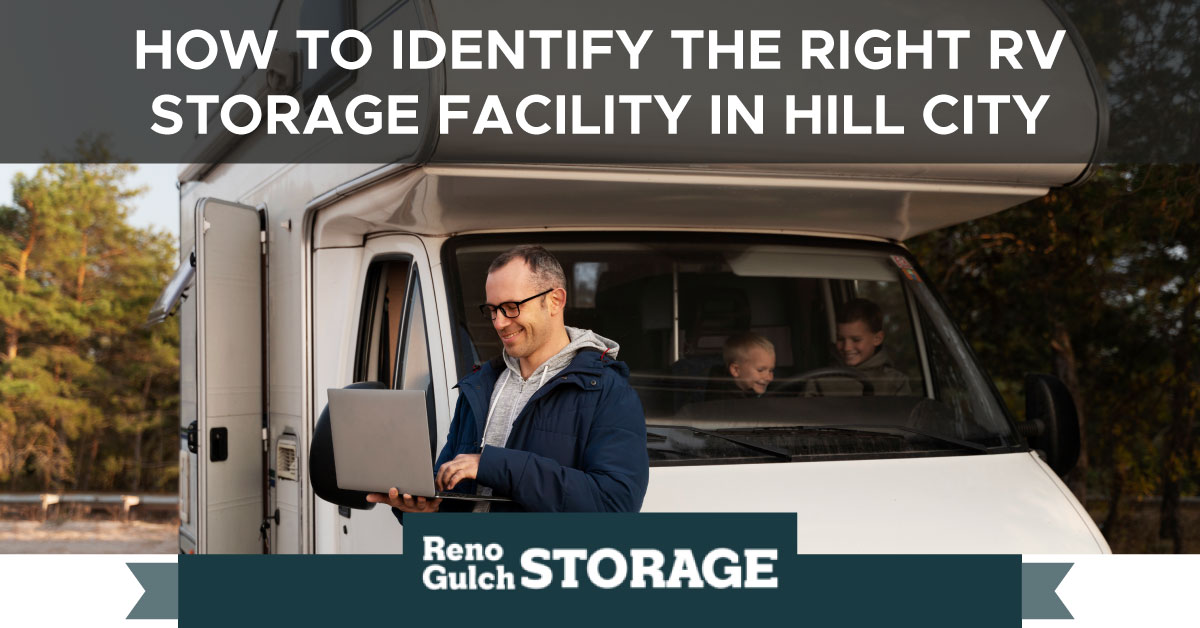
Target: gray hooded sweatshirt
{"points": [[512, 391], [885, 377]]}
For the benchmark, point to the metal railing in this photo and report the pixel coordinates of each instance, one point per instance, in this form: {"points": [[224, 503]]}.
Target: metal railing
{"points": [[125, 502]]}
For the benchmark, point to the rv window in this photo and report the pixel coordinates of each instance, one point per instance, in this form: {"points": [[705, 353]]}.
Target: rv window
{"points": [[817, 349], [415, 353], [382, 310], [414, 358]]}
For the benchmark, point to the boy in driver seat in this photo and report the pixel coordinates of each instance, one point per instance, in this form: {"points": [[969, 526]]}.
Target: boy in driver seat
{"points": [[860, 347]]}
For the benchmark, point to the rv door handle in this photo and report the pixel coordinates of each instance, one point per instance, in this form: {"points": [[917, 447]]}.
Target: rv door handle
{"points": [[192, 437], [218, 444]]}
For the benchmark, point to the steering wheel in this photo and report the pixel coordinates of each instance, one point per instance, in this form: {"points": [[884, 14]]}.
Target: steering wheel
{"points": [[797, 384]]}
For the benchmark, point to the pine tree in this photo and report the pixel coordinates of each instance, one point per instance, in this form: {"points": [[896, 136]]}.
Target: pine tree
{"points": [[88, 394]]}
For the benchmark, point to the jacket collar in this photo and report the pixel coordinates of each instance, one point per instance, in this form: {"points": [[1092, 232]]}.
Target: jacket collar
{"points": [[586, 361], [879, 360], [584, 371]]}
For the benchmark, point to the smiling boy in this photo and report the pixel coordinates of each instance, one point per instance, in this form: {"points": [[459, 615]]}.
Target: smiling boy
{"points": [[750, 359], [860, 346]]}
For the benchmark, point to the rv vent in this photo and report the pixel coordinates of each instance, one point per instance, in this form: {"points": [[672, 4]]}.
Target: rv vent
{"points": [[285, 460]]}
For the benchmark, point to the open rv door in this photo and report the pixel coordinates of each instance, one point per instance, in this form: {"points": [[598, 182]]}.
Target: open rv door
{"points": [[230, 374]]}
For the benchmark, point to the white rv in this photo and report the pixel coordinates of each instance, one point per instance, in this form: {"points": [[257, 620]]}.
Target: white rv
{"points": [[303, 277]]}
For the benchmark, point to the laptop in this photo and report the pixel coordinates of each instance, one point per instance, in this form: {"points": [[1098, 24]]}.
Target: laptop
{"points": [[381, 439]]}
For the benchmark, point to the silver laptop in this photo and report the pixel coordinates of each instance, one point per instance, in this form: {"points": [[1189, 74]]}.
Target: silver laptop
{"points": [[381, 439]]}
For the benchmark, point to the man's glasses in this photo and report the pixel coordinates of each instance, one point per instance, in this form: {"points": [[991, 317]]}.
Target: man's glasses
{"points": [[511, 309]]}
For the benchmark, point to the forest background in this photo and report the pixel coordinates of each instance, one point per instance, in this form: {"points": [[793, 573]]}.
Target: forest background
{"points": [[1098, 284]]}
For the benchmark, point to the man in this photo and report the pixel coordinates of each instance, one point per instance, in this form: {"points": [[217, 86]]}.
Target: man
{"points": [[552, 422]]}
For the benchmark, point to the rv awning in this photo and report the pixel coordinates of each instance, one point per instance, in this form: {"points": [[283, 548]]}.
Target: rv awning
{"points": [[885, 66]]}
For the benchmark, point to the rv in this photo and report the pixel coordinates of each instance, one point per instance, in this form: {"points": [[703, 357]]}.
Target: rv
{"points": [[301, 277]]}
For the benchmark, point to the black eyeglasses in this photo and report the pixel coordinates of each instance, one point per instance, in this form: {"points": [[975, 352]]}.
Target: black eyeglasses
{"points": [[511, 309]]}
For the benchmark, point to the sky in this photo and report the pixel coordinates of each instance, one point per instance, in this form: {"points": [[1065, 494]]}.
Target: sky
{"points": [[157, 208]]}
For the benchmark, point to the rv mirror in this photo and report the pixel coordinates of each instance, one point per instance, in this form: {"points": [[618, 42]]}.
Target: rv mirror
{"points": [[321, 470], [1052, 422]]}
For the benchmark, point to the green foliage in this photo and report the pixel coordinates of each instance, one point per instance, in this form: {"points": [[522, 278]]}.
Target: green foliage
{"points": [[88, 397], [1099, 284]]}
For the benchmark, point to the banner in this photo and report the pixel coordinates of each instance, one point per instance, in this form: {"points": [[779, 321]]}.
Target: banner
{"points": [[591, 570], [597, 570]]}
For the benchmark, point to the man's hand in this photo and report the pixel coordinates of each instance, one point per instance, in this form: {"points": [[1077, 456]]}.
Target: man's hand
{"points": [[463, 467], [405, 502]]}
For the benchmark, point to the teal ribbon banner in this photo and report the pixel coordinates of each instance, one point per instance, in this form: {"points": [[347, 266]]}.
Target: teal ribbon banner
{"points": [[1038, 582], [161, 583], [606, 570]]}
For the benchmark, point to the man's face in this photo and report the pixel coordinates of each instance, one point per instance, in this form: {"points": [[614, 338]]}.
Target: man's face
{"points": [[856, 343], [755, 371], [523, 335]]}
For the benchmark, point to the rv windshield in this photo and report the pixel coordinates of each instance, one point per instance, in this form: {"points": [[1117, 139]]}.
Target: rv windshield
{"points": [[748, 349]]}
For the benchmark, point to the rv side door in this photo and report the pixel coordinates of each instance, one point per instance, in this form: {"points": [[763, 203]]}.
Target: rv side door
{"points": [[396, 340], [230, 267]]}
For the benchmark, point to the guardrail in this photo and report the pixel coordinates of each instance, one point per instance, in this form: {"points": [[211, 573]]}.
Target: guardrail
{"points": [[42, 502]]}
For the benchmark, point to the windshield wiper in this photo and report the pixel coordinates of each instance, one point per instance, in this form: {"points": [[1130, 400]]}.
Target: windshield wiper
{"points": [[780, 454], [965, 444]]}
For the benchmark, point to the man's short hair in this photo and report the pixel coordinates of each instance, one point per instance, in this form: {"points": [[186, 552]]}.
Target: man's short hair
{"points": [[547, 272], [738, 346], [861, 310]]}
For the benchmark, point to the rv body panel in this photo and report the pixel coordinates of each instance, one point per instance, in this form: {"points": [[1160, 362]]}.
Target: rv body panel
{"points": [[285, 191], [994, 504], [335, 317], [188, 419]]}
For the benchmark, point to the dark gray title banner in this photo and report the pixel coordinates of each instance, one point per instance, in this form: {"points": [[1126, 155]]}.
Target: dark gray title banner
{"points": [[539, 81]]}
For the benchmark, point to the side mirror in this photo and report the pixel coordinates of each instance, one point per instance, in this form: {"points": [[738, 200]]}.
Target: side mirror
{"points": [[1052, 422], [321, 470]]}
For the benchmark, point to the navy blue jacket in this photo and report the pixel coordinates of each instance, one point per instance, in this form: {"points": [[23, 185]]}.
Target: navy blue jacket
{"points": [[578, 445]]}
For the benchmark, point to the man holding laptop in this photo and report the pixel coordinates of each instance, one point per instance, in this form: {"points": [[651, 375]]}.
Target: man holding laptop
{"points": [[552, 423]]}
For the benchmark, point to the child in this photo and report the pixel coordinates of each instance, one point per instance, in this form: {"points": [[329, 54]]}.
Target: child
{"points": [[860, 346], [750, 360]]}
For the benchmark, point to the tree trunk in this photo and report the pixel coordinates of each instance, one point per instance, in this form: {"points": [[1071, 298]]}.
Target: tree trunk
{"points": [[85, 471], [1177, 444], [1065, 367], [95, 448], [11, 336], [10, 343], [140, 428], [1168, 523], [1113, 520], [136, 477], [81, 274]]}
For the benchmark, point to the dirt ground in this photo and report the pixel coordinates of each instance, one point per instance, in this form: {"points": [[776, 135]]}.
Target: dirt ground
{"points": [[88, 537]]}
